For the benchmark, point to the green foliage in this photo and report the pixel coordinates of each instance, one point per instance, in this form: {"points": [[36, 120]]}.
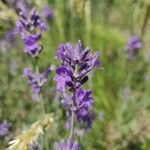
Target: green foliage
{"points": [[105, 26]]}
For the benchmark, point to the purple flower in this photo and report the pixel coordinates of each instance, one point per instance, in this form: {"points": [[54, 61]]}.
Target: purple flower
{"points": [[31, 26], [85, 117], [10, 36], [21, 5], [83, 98], [35, 79], [132, 47], [62, 78], [47, 12], [74, 57], [68, 145], [71, 75], [4, 128]]}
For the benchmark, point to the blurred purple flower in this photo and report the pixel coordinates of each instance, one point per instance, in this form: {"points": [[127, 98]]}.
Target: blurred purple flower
{"points": [[68, 145], [9, 41], [47, 12], [10, 36], [21, 5], [18, 4], [31, 26], [132, 47], [4, 128], [35, 79]]}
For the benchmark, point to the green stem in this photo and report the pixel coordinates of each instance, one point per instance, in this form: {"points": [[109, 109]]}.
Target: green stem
{"points": [[45, 137], [146, 18], [72, 118], [73, 105]]}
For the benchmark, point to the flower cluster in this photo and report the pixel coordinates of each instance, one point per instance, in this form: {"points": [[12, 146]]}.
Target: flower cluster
{"points": [[31, 27], [68, 145], [76, 63], [4, 128], [35, 79], [132, 47]]}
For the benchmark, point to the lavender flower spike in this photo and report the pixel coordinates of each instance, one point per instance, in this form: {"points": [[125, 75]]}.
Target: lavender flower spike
{"points": [[47, 12], [132, 47], [71, 75], [4, 128], [36, 80], [68, 145], [74, 56], [31, 26]]}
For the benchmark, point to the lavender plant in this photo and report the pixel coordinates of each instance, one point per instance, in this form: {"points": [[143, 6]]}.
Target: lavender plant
{"points": [[132, 47], [71, 75], [68, 145], [47, 12], [36, 80], [31, 27], [4, 128]]}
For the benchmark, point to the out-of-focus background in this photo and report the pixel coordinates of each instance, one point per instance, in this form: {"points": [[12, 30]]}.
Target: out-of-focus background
{"points": [[121, 89]]}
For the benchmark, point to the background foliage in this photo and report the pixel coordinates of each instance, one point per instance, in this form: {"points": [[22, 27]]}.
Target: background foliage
{"points": [[121, 88]]}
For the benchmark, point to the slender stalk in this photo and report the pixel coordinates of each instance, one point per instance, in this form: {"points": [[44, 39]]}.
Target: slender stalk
{"points": [[73, 105], [88, 20], [146, 18], [45, 137], [72, 119]]}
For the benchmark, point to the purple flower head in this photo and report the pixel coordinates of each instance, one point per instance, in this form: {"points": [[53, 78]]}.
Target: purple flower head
{"points": [[31, 26], [4, 128], [10, 36], [9, 41], [62, 78], [47, 12], [21, 5], [76, 63], [85, 117], [68, 145], [35, 79], [132, 46], [83, 98], [82, 107]]}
